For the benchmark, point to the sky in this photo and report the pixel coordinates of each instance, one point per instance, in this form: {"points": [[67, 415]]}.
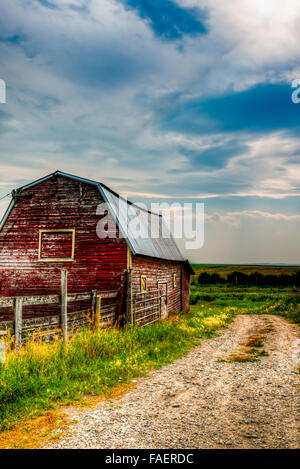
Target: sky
{"points": [[169, 100]]}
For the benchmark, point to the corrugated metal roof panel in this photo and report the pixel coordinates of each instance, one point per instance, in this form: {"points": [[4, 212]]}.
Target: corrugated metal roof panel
{"points": [[154, 238]]}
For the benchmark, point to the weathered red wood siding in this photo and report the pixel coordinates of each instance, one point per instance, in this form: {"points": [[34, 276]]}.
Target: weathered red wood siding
{"points": [[59, 203], [158, 270]]}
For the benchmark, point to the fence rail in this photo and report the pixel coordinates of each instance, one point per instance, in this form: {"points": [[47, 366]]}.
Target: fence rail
{"points": [[52, 299]]}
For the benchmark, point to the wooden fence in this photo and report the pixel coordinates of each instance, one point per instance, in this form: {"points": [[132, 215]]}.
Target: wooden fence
{"points": [[144, 308], [64, 324]]}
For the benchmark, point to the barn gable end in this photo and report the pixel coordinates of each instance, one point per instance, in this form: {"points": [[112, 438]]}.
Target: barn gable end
{"points": [[57, 204]]}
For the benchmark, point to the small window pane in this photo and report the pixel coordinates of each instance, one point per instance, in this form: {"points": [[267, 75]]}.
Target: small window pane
{"points": [[143, 283]]}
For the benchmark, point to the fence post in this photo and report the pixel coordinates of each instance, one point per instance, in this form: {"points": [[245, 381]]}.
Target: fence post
{"points": [[129, 310], [153, 301], [159, 303], [93, 305], [18, 321], [133, 312], [64, 304], [97, 313]]}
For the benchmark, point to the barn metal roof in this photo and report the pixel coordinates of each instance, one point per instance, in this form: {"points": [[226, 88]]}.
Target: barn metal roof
{"points": [[161, 247]]}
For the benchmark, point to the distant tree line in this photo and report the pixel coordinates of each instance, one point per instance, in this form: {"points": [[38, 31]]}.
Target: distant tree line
{"points": [[254, 279]]}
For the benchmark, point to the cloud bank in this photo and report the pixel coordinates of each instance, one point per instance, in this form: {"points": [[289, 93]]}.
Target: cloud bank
{"points": [[185, 99]]}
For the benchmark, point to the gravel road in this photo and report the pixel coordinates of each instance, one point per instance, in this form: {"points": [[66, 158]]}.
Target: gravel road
{"points": [[201, 402]]}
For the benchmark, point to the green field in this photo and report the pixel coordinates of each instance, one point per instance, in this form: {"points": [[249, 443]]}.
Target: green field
{"points": [[225, 269], [247, 299]]}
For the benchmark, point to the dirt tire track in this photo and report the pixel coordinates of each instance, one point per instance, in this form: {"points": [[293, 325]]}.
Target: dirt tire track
{"points": [[200, 402]]}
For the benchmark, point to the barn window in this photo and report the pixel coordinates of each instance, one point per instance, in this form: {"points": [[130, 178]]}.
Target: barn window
{"points": [[143, 283], [174, 280], [56, 245]]}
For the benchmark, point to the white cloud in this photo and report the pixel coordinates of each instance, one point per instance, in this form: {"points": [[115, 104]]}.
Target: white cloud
{"points": [[234, 218], [250, 237], [258, 32]]}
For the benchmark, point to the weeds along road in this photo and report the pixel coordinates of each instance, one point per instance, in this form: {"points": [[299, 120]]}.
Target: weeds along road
{"points": [[201, 401]]}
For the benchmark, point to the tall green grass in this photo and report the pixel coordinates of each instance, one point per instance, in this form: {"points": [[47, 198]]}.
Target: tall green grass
{"points": [[288, 307], [43, 375]]}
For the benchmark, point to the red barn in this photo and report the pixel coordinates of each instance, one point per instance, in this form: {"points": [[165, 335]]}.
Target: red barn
{"points": [[54, 224]]}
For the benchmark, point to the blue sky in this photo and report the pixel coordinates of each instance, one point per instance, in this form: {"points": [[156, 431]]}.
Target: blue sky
{"points": [[186, 100]]}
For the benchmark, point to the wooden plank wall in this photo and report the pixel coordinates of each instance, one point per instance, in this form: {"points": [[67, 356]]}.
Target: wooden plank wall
{"points": [[157, 270]]}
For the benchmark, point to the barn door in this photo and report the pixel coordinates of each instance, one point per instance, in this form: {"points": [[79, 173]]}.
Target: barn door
{"points": [[163, 293]]}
